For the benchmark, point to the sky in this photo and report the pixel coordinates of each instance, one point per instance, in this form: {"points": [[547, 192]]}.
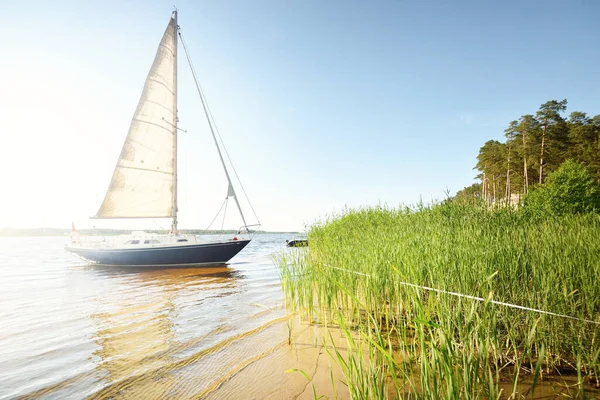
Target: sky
{"points": [[322, 105]]}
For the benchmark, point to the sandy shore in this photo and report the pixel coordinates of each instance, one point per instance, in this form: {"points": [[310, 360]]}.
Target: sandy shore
{"points": [[276, 374]]}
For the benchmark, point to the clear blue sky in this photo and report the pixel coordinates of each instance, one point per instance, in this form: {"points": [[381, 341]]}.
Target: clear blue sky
{"points": [[322, 104]]}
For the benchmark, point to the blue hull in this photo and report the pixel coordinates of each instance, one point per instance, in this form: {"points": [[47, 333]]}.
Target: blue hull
{"points": [[188, 254]]}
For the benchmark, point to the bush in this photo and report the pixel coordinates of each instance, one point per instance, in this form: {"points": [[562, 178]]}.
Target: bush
{"points": [[569, 190]]}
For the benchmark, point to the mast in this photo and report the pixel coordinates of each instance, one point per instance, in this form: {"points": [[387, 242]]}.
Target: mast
{"points": [[230, 189], [176, 119]]}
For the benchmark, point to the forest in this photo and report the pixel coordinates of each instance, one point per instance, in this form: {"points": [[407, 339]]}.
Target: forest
{"points": [[535, 146]]}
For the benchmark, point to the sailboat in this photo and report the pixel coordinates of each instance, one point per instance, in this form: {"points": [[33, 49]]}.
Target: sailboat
{"points": [[144, 182]]}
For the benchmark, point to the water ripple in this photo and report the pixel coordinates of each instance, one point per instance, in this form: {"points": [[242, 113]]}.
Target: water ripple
{"points": [[73, 330]]}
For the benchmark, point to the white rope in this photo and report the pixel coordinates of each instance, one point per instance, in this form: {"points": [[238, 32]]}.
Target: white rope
{"points": [[466, 296]]}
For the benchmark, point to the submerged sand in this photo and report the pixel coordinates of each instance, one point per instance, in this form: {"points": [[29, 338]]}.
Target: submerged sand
{"points": [[281, 359]]}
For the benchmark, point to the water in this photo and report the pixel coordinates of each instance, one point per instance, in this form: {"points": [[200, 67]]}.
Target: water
{"points": [[74, 331], [69, 330]]}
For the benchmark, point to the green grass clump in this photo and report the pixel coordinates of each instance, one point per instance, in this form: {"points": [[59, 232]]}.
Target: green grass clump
{"points": [[409, 342]]}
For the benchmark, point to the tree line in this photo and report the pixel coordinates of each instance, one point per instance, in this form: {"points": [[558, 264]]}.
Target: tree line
{"points": [[535, 146]]}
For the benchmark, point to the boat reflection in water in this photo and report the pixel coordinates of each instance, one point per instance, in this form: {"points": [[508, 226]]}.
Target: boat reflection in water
{"points": [[147, 334], [73, 331]]}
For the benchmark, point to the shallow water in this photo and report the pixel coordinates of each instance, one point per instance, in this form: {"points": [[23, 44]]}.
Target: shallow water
{"points": [[69, 330]]}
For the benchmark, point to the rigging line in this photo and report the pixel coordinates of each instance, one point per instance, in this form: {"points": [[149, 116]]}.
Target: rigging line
{"points": [[215, 218], [224, 214], [231, 162], [214, 123], [466, 296], [212, 130], [157, 224]]}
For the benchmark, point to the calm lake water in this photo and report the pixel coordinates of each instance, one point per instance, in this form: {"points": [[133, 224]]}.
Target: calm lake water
{"points": [[69, 330]]}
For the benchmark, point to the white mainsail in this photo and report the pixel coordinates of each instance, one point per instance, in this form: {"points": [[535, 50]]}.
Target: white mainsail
{"points": [[144, 182]]}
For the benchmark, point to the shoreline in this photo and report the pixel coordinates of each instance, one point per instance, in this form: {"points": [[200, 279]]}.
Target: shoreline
{"points": [[37, 232]]}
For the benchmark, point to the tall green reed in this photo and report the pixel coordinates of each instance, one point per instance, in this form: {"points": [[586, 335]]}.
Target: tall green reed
{"points": [[422, 344]]}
